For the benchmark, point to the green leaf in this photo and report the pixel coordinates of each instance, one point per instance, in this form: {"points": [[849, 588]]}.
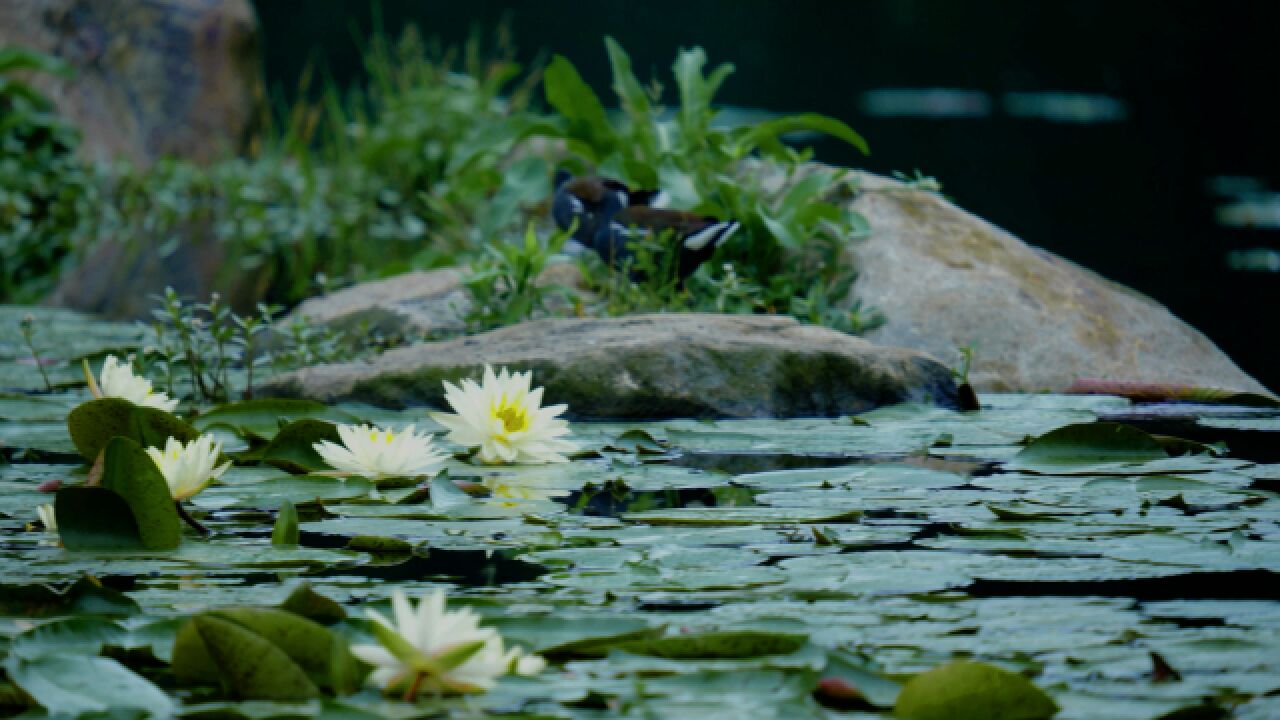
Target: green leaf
{"points": [[696, 92], [308, 603], [263, 417], [95, 518], [130, 472], [77, 635], [972, 691], [598, 646], [456, 656], [292, 449], [18, 58], [1083, 445], [573, 98], [812, 122], [85, 595], [79, 684], [402, 649], [736, 644], [94, 423], [285, 531], [244, 647]]}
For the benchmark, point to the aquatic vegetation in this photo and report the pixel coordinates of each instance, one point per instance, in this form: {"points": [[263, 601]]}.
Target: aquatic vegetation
{"points": [[118, 380], [48, 520], [378, 453], [504, 281], [503, 418], [779, 566], [434, 650], [792, 245], [189, 467], [46, 194]]}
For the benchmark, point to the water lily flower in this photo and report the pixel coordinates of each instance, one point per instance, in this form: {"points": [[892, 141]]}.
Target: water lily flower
{"points": [[376, 453], [431, 649], [117, 380], [505, 419], [189, 468], [47, 518]]}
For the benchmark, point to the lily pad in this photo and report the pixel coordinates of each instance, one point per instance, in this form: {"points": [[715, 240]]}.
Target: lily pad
{"points": [[94, 423], [133, 508], [81, 684], [972, 691]]}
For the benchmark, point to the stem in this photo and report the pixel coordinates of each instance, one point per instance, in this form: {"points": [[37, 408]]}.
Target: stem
{"points": [[414, 686], [35, 354], [182, 513], [248, 362]]}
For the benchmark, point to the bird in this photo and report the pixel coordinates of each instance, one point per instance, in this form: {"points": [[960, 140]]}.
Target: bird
{"points": [[611, 216], [582, 198], [695, 237]]}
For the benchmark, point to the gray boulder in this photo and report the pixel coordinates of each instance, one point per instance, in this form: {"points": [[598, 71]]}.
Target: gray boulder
{"points": [[651, 366], [945, 278], [179, 77], [414, 305]]}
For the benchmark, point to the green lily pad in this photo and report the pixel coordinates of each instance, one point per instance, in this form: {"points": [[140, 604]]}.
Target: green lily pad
{"points": [[94, 423], [257, 653], [265, 417], [972, 691], [739, 644], [82, 684], [285, 531], [132, 509], [292, 449]]}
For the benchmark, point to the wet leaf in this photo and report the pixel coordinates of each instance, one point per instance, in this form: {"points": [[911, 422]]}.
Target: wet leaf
{"points": [[292, 449], [94, 423], [256, 653], [740, 644], [285, 530], [79, 684], [264, 417], [966, 690]]}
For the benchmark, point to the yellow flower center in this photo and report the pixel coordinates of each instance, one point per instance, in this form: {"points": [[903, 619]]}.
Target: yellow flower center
{"points": [[514, 417]]}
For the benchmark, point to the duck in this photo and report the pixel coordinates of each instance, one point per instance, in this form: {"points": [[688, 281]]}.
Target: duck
{"points": [[582, 199], [694, 236], [610, 215]]}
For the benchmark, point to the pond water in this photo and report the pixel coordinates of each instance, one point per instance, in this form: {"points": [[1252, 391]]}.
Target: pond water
{"points": [[867, 548]]}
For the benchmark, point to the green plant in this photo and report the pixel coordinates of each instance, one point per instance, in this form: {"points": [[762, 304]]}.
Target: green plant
{"points": [[27, 327], [503, 284], [646, 282], [201, 343], [790, 255], [961, 371], [45, 193], [415, 166]]}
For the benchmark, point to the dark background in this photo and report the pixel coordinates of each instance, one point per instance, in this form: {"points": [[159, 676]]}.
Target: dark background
{"points": [[1131, 197]]}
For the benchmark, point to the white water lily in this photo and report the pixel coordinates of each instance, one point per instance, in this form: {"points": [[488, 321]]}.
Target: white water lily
{"points": [[47, 518], [189, 468], [505, 419], [117, 380], [432, 649], [376, 453]]}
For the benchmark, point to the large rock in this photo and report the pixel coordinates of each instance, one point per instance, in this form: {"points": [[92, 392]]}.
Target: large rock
{"points": [[152, 77], [945, 278], [651, 366], [426, 304], [419, 304]]}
